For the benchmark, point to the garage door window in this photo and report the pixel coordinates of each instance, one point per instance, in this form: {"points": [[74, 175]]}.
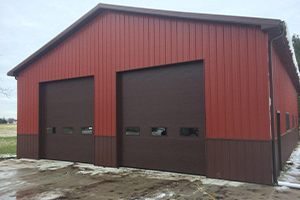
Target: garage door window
{"points": [[189, 132], [50, 130], [159, 131], [67, 130], [132, 131], [87, 130]]}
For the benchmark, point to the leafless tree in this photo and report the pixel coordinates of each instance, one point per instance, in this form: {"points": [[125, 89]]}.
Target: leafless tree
{"points": [[10, 120], [5, 91]]}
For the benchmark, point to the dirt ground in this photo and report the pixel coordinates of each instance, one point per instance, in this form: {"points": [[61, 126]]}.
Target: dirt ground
{"points": [[46, 179]]}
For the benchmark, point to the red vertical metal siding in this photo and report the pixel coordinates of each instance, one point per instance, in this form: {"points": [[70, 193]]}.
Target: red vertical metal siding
{"points": [[235, 59], [285, 94]]}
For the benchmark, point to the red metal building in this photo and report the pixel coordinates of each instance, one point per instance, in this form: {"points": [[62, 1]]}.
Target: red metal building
{"points": [[164, 90]]}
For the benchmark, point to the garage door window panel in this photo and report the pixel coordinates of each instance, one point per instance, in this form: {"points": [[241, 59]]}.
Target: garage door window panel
{"points": [[189, 132], [68, 130], [50, 130], [159, 131], [135, 131], [87, 130]]}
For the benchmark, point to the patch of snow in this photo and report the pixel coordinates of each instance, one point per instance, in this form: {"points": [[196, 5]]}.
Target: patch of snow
{"points": [[206, 181], [219, 182], [171, 194], [89, 169], [210, 181], [7, 174], [10, 184], [161, 195], [26, 159], [167, 175], [93, 167], [289, 162], [290, 43], [53, 165], [235, 183], [292, 173], [5, 156], [49, 195], [288, 178], [290, 185], [282, 188]]}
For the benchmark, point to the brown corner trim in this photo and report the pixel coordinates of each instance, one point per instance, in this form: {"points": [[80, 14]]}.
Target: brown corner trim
{"points": [[239, 160], [105, 151]]}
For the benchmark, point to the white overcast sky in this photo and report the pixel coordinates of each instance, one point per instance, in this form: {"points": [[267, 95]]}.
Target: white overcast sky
{"points": [[26, 25]]}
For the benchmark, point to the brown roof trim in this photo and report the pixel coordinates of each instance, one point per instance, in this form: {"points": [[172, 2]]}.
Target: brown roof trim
{"points": [[193, 16], [259, 22]]}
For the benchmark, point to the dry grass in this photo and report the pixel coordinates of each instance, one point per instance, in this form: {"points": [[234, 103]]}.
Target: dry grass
{"points": [[8, 139], [8, 130]]}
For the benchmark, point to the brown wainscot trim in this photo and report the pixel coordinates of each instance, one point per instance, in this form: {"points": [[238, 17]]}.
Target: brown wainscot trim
{"points": [[239, 160], [28, 146], [105, 151], [288, 142]]}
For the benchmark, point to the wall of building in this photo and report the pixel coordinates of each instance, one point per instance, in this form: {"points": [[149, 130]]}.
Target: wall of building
{"points": [[285, 101], [285, 94], [236, 79], [235, 76]]}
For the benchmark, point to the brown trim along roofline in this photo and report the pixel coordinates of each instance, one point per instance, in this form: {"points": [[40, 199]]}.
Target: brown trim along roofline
{"points": [[272, 26]]}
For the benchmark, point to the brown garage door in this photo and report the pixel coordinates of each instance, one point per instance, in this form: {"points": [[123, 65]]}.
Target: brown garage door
{"points": [[68, 120], [162, 118]]}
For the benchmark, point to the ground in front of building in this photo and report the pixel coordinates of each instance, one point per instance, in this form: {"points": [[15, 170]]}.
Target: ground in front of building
{"points": [[47, 179]]}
